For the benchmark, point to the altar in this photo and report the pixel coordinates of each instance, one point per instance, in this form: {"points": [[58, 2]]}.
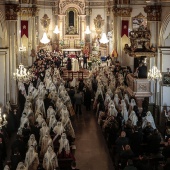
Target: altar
{"points": [[71, 51]]}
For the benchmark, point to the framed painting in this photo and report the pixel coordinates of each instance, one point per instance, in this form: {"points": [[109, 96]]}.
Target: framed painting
{"points": [[166, 79]]}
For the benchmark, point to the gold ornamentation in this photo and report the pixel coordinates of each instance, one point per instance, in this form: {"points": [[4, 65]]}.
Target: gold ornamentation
{"points": [[122, 12], [11, 11], [98, 22], [71, 28], [140, 15], [28, 1], [63, 4], [28, 11], [45, 22], [153, 12]]}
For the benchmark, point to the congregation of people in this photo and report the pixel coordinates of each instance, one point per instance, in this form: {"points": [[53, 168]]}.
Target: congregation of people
{"points": [[45, 134], [133, 139]]}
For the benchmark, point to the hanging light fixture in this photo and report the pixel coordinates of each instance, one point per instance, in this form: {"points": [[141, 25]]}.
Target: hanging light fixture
{"points": [[56, 30], [87, 31], [154, 74], [104, 39], [3, 120], [22, 74], [44, 39]]}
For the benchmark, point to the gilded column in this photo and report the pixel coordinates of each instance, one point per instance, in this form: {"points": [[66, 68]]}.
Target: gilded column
{"points": [[55, 19], [82, 23], [61, 26]]}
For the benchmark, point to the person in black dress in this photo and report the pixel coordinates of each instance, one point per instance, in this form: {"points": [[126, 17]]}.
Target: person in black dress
{"points": [[69, 66]]}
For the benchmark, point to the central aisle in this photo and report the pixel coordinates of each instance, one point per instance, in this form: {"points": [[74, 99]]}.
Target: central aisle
{"points": [[91, 149]]}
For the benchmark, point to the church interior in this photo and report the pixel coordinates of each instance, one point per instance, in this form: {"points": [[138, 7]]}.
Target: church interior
{"points": [[85, 84]]}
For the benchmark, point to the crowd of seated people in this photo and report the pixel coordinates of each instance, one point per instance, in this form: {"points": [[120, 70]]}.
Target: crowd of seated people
{"points": [[130, 135], [45, 135]]}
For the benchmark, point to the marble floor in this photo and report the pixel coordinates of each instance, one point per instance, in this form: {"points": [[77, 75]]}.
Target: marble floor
{"points": [[91, 149]]}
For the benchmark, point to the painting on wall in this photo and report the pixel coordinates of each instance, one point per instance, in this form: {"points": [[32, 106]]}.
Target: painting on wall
{"points": [[139, 21], [166, 79]]}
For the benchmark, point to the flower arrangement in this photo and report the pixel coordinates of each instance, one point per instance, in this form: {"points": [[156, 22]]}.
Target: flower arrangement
{"points": [[81, 43], [61, 42]]}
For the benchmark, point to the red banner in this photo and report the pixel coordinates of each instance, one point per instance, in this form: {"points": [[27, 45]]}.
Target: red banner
{"points": [[125, 27], [24, 28]]}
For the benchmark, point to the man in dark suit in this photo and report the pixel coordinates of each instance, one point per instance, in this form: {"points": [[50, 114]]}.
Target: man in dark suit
{"points": [[71, 93], [142, 71], [78, 101]]}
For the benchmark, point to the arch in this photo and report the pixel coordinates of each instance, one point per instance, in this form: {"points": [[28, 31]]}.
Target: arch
{"points": [[164, 31], [79, 10]]}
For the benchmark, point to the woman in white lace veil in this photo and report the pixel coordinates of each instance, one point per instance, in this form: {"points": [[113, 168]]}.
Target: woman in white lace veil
{"points": [[64, 144], [67, 125], [58, 129], [32, 142], [45, 143], [6, 167], [126, 98], [50, 111], [30, 88], [148, 118], [50, 161], [131, 105], [52, 121], [133, 118], [45, 129], [116, 100], [31, 159], [112, 111], [124, 111], [39, 118], [40, 106], [21, 166], [64, 111]]}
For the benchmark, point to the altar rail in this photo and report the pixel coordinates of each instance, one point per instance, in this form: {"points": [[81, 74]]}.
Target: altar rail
{"points": [[79, 75]]}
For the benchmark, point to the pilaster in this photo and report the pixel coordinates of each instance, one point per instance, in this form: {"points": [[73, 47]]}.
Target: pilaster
{"points": [[11, 21]]}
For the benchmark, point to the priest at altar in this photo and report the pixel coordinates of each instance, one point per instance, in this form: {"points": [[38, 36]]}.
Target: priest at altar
{"points": [[75, 64]]}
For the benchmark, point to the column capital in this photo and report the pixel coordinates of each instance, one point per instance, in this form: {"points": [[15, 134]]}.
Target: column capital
{"points": [[122, 11], [11, 11], [153, 12]]}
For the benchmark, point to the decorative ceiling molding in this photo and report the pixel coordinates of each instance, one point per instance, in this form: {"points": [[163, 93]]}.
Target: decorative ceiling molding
{"points": [[11, 11], [65, 4], [122, 12], [28, 11]]}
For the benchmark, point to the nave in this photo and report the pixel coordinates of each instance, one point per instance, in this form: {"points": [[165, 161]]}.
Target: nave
{"points": [[91, 150]]}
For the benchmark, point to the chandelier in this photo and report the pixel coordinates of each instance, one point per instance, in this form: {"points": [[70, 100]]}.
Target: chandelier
{"points": [[87, 30], [3, 120], [56, 30], [45, 39], [22, 74], [154, 74], [104, 39]]}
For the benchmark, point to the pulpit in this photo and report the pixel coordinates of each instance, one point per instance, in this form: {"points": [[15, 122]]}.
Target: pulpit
{"points": [[138, 88]]}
